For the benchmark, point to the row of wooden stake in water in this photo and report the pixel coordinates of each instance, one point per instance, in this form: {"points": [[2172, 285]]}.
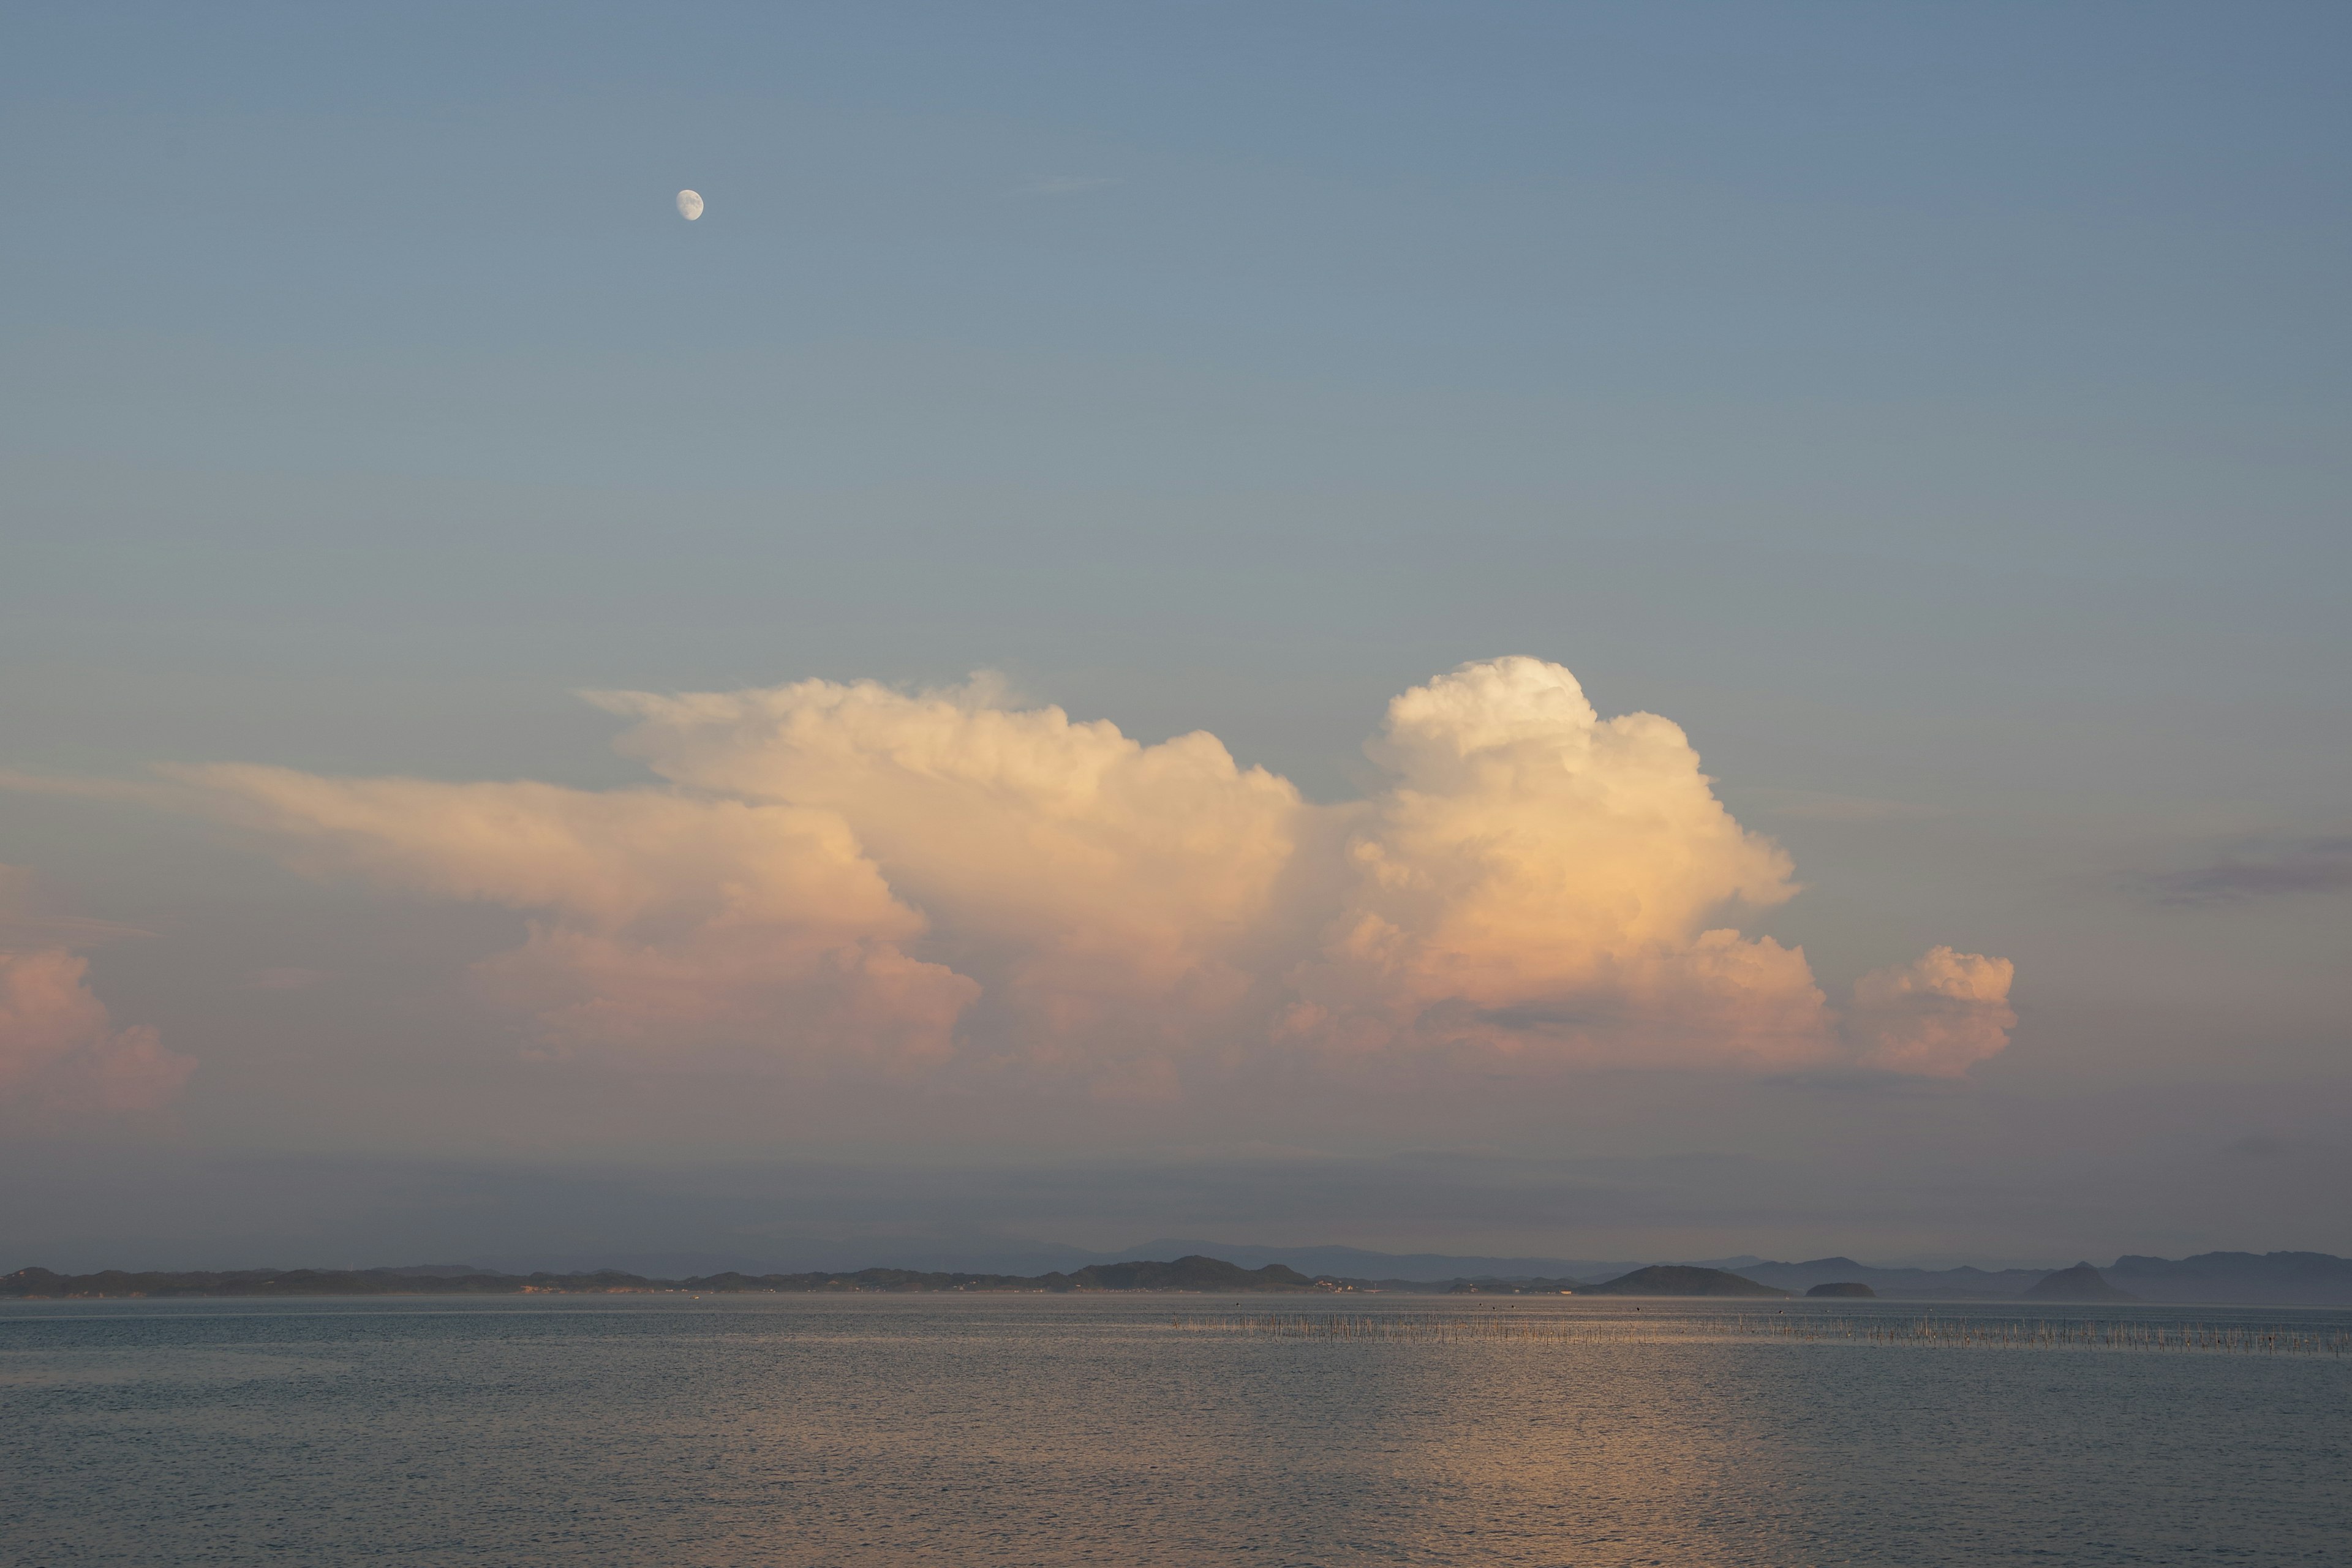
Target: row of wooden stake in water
{"points": [[1923, 1330]]}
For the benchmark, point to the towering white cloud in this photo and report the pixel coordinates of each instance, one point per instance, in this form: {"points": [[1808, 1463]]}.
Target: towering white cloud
{"points": [[1114, 895], [1541, 882], [853, 874]]}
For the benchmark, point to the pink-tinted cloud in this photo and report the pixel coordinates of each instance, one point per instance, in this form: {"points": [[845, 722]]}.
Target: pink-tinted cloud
{"points": [[1935, 1016], [668, 923], [855, 875], [60, 1054], [1114, 895]]}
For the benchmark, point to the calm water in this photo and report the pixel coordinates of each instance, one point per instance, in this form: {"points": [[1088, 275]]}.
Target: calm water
{"points": [[1049, 1430]]}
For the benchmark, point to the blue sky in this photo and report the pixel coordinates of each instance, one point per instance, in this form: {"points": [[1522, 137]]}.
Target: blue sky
{"points": [[1937, 412]]}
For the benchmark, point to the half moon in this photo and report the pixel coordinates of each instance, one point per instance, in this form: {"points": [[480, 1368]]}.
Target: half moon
{"points": [[689, 205]]}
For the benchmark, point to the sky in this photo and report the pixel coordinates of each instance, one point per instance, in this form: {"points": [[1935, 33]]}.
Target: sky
{"points": [[1593, 631]]}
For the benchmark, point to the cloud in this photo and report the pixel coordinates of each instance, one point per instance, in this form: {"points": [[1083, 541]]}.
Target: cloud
{"points": [[851, 876], [60, 1055], [1541, 882], [2302, 866], [1936, 1016], [665, 919], [1113, 894]]}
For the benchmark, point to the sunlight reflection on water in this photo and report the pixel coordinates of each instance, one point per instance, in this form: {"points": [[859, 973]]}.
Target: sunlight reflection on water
{"points": [[1057, 1430]]}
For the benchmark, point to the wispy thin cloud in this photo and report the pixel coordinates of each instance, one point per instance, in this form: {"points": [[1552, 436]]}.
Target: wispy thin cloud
{"points": [[2306, 866]]}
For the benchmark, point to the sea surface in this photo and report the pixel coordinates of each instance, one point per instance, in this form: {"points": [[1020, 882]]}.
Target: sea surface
{"points": [[1045, 1430]]}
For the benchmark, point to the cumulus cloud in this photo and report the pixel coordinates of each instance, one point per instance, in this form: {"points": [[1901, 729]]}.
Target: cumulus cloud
{"points": [[1114, 896], [60, 1054], [667, 921], [1936, 1016], [1541, 882], [853, 874]]}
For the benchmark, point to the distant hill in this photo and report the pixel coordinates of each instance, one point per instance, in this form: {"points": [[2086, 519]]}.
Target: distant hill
{"points": [[2274, 1279], [1188, 1274], [2246, 1279], [1849, 1288], [1673, 1280], [1919, 1284], [432, 1270], [1194, 1273], [1427, 1268], [2080, 1283]]}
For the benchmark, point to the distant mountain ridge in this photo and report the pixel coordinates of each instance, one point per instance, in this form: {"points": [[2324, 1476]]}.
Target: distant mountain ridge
{"points": [[2276, 1279], [2255, 1279], [1185, 1274], [1358, 1263], [1920, 1284], [1439, 1269]]}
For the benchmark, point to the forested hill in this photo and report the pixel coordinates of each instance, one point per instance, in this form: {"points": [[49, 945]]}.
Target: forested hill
{"points": [[1193, 1274], [1670, 1279]]}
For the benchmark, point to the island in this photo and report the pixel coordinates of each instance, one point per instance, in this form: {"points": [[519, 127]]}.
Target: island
{"points": [[1674, 1279], [2080, 1283]]}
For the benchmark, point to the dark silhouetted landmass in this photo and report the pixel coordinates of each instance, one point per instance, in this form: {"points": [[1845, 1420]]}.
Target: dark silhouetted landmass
{"points": [[1189, 1274], [412, 1280], [2248, 1278], [1673, 1280], [1917, 1284], [2276, 1279], [1843, 1287], [2080, 1283], [1421, 1270]]}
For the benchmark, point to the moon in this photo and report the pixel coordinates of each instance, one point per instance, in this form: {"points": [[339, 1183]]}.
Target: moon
{"points": [[689, 205]]}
